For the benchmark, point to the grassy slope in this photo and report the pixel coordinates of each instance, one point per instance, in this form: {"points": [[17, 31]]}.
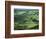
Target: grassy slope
{"points": [[26, 19]]}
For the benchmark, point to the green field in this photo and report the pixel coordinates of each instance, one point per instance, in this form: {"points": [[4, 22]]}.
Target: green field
{"points": [[26, 19]]}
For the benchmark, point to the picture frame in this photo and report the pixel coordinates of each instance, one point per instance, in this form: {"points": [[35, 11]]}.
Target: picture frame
{"points": [[10, 5]]}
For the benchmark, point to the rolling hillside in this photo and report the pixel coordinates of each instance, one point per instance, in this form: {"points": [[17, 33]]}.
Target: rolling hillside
{"points": [[26, 19]]}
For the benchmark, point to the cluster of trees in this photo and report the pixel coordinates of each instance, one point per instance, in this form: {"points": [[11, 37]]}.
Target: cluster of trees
{"points": [[25, 19]]}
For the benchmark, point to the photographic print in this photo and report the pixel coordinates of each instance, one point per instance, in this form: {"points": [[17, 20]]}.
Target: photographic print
{"points": [[24, 19]]}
